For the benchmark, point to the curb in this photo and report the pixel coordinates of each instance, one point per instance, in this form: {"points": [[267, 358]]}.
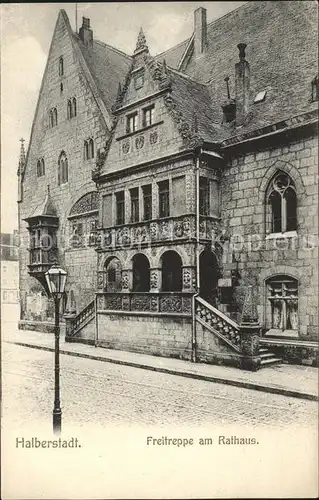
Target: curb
{"points": [[272, 389]]}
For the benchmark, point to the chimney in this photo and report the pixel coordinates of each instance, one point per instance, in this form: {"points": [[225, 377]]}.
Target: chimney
{"points": [[200, 31], [242, 81], [85, 33]]}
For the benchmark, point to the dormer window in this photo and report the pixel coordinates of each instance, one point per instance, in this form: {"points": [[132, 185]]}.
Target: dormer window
{"points": [[53, 117], [61, 67], [315, 89], [148, 116], [40, 168], [131, 123], [260, 97]]}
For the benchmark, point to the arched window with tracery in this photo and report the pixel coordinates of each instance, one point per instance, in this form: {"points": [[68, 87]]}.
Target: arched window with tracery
{"points": [[83, 221], [63, 169], [281, 204], [282, 304]]}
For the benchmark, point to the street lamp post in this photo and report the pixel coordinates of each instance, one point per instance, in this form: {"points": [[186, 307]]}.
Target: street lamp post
{"points": [[56, 278]]}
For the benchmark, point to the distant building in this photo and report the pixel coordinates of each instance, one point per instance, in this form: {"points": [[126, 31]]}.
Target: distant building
{"points": [[151, 179]]}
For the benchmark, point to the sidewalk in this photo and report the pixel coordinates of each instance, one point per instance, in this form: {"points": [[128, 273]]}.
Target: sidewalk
{"points": [[289, 380]]}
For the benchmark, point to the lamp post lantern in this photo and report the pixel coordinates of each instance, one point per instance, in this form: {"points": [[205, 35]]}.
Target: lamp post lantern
{"points": [[56, 278]]}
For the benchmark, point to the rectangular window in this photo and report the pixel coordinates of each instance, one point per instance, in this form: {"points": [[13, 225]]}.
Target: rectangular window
{"points": [[178, 196], [203, 196], [134, 205], [163, 198], [107, 210], [283, 297], [148, 116], [131, 123], [120, 206], [147, 201]]}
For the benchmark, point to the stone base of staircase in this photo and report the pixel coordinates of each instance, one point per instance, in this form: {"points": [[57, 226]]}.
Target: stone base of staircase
{"points": [[268, 358]]}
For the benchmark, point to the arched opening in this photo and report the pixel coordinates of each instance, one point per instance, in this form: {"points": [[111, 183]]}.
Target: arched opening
{"points": [[141, 273], [171, 272], [113, 275], [208, 276]]}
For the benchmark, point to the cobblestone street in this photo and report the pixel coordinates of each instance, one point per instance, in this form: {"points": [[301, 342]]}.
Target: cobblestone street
{"points": [[104, 393]]}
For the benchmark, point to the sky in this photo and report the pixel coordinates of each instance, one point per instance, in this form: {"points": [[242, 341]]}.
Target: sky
{"points": [[26, 32]]}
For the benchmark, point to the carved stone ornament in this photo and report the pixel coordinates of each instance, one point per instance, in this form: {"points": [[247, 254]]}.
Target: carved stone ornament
{"points": [[107, 238], [154, 137], [154, 230], [154, 279], [187, 278], [126, 147], [125, 280], [178, 229], [100, 280], [139, 142]]}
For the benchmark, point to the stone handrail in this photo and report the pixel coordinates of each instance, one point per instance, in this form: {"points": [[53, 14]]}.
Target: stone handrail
{"points": [[81, 318], [166, 229], [224, 327], [153, 302]]}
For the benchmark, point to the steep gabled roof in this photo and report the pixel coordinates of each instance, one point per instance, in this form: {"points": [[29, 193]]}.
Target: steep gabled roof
{"points": [[193, 101], [282, 52], [45, 209], [108, 66]]}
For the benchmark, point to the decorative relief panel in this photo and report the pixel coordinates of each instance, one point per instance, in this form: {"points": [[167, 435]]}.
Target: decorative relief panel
{"points": [[125, 280], [100, 280], [139, 142], [187, 278], [154, 281], [126, 147], [153, 137]]}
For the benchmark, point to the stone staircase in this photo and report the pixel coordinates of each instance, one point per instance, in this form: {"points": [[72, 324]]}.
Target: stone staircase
{"points": [[229, 331], [268, 358]]}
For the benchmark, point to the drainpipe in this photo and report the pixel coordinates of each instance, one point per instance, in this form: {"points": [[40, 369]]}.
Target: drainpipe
{"points": [[196, 256]]}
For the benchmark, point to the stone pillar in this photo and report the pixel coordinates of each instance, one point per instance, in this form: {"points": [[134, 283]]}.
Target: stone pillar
{"points": [[68, 318], [155, 279], [189, 279], [127, 280], [250, 333]]}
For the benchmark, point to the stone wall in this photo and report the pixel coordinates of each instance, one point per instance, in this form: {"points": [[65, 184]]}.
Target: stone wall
{"points": [[160, 335], [259, 255], [69, 136]]}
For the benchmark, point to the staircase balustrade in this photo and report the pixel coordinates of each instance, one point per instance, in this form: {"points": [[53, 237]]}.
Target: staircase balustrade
{"points": [[223, 327], [80, 319]]}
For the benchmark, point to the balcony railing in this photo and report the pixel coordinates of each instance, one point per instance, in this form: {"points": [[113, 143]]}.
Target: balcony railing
{"points": [[157, 230], [161, 302]]}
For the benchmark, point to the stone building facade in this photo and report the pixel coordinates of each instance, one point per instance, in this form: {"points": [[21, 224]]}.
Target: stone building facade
{"points": [[179, 182]]}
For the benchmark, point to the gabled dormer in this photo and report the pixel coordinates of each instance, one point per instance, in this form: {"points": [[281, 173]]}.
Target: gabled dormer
{"points": [[158, 112]]}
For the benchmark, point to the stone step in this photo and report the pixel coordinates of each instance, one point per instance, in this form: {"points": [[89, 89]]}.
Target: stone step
{"points": [[265, 355], [263, 350], [270, 361]]}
